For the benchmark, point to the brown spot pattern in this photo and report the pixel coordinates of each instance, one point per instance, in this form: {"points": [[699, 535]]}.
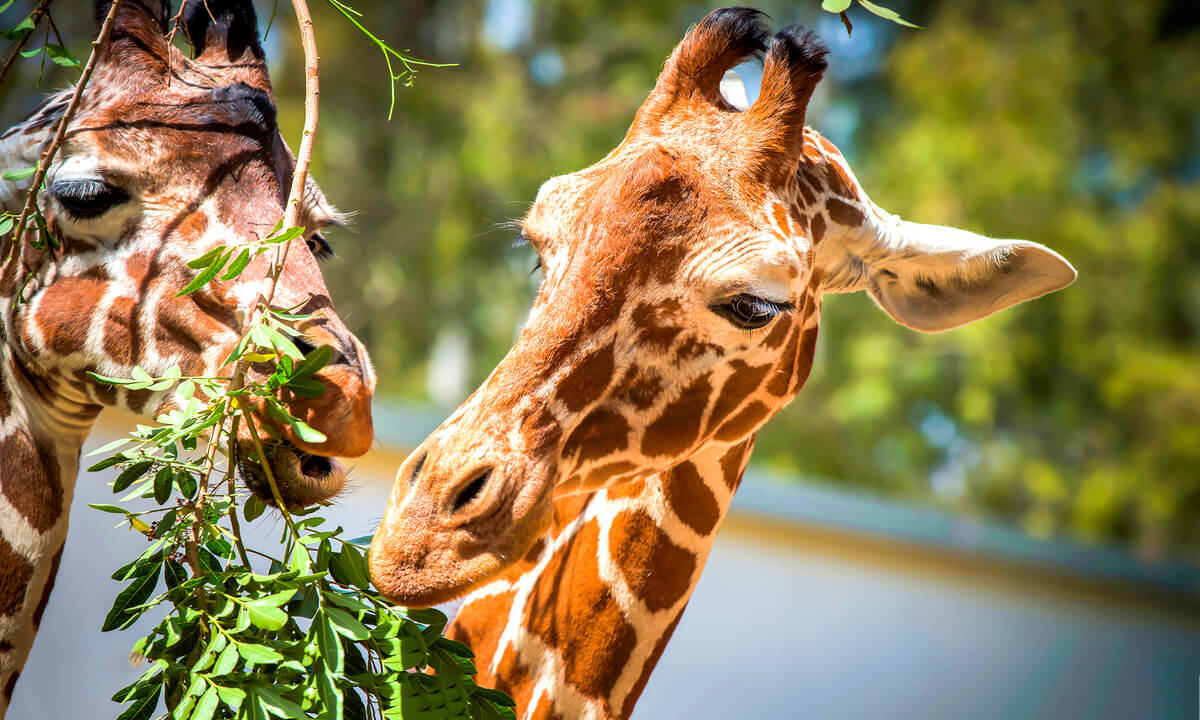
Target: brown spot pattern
{"points": [[744, 422], [638, 388], [649, 320], [587, 381], [32, 482], [744, 380], [601, 433], [603, 474], [657, 570], [15, 572], [843, 213], [781, 379], [690, 498], [731, 464], [640, 685], [47, 588], [65, 311], [678, 427], [817, 228], [572, 610]]}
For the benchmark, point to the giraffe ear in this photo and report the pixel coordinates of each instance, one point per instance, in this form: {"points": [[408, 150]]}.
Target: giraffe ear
{"points": [[692, 75], [933, 278]]}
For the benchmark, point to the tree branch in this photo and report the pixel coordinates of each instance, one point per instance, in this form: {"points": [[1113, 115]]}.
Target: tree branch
{"points": [[60, 132], [36, 17]]}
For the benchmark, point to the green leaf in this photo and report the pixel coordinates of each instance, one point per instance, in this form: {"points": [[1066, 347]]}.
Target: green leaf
{"points": [[173, 573], [226, 661], [886, 13], [237, 266], [280, 706], [6, 224], [330, 694], [205, 276], [186, 483], [59, 55], [232, 696], [346, 624], [307, 433], [162, 485], [20, 29], [282, 343], [206, 259], [134, 471], [316, 359], [17, 175], [207, 705], [258, 654], [306, 388], [143, 705], [266, 617], [328, 642], [835, 6], [115, 510], [108, 380], [136, 593], [289, 234], [276, 599], [253, 508]]}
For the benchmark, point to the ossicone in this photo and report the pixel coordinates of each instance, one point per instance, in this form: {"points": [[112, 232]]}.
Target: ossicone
{"points": [[774, 124], [693, 73], [221, 30]]}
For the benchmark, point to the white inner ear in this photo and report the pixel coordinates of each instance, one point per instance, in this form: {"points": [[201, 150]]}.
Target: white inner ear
{"points": [[734, 91]]}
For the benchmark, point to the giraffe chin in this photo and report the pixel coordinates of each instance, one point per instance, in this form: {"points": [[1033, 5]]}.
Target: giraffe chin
{"points": [[303, 478]]}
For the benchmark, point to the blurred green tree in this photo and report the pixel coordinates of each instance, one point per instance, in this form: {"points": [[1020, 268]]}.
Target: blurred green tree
{"points": [[1071, 124]]}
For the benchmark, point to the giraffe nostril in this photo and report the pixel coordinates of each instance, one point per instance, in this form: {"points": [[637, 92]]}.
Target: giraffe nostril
{"points": [[472, 490]]}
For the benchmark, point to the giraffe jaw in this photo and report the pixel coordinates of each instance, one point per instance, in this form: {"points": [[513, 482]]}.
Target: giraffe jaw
{"points": [[303, 478]]}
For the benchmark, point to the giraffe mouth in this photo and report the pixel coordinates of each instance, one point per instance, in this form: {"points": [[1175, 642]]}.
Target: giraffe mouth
{"points": [[303, 478]]}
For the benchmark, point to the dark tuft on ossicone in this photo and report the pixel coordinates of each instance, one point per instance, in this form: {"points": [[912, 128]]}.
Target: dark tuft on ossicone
{"points": [[744, 29], [801, 50], [229, 23]]}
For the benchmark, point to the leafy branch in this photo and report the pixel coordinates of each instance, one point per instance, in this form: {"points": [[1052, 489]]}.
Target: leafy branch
{"points": [[839, 8], [296, 633]]}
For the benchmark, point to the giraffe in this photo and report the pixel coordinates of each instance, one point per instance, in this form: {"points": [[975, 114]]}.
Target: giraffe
{"points": [[167, 157], [576, 494]]}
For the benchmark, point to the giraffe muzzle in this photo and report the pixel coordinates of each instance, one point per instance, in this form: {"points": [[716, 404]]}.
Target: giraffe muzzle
{"points": [[452, 524], [303, 478]]}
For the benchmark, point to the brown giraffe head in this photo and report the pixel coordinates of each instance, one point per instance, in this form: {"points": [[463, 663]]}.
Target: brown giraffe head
{"points": [[167, 158], [683, 280]]}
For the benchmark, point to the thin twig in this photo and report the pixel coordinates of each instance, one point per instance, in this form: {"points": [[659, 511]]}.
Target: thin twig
{"points": [[60, 132], [312, 99], [171, 38], [36, 16]]}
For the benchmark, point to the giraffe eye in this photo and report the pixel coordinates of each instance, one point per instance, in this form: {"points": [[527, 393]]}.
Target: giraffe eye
{"points": [[750, 312], [85, 199], [319, 246]]}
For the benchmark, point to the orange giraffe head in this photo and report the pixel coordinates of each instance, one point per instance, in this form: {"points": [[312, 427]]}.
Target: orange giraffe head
{"points": [[167, 158], [683, 279]]}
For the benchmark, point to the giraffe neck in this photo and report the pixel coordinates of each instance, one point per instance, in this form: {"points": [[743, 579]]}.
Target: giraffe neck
{"points": [[40, 438], [41, 433], [575, 629]]}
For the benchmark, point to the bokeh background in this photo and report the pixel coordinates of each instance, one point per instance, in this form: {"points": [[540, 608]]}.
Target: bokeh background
{"points": [[1071, 425]]}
